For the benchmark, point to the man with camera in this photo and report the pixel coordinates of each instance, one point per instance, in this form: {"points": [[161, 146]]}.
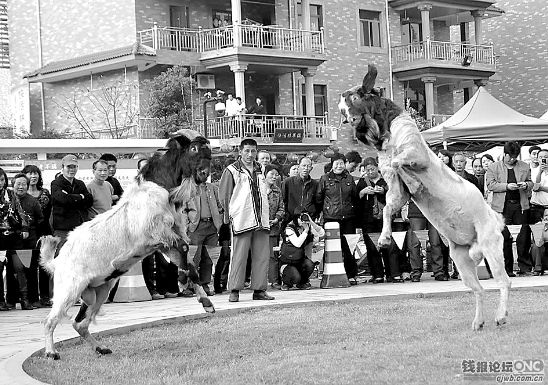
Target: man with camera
{"points": [[510, 181], [539, 196]]}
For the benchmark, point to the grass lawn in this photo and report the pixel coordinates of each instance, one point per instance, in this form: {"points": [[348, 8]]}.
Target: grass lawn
{"points": [[369, 341]]}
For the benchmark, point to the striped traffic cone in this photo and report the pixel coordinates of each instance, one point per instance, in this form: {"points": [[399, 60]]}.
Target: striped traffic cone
{"points": [[131, 287], [334, 274]]}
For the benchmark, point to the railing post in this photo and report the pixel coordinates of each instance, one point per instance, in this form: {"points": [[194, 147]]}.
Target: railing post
{"points": [[155, 36]]}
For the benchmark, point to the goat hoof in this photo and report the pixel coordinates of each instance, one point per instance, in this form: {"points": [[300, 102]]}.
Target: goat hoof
{"points": [[208, 306], [384, 241], [103, 350], [477, 326], [501, 321], [53, 355]]}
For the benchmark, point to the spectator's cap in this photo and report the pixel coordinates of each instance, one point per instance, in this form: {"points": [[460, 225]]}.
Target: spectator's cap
{"points": [[69, 160]]}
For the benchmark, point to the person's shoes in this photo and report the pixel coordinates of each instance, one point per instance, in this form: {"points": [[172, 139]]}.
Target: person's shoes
{"points": [[397, 279], [406, 276], [510, 273], [155, 295], [247, 285], [524, 273], [170, 295], [353, 281], [441, 277], [304, 286], [537, 273], [208, 291], [377, 280], [37, 305], [234, 296], [46, 302], [4, 307], [187, 293], [415, 278], [454, 276], [10, 306], [26, 305], [276, 286], [262, 296], [285, 287]]}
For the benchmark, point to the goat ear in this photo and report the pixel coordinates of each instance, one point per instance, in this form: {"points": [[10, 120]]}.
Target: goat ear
{"points": [[369, 79]]}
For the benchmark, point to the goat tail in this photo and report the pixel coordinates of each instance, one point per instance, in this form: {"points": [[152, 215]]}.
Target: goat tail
{"points": [[48, 247]]}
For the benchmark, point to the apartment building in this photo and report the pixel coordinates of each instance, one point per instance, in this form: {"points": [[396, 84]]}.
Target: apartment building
{"points": [[298, 56]]}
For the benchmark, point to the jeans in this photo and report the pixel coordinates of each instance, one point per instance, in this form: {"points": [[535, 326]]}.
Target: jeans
{"points": [[297, 273]]}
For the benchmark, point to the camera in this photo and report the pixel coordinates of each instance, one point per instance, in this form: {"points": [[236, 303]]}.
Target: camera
{"points": [[544, 161], [304, 217]]}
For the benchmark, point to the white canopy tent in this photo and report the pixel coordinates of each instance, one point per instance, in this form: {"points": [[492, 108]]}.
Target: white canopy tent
{"points": [[484, 122]]}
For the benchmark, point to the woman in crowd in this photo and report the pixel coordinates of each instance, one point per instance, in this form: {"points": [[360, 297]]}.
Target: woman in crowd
{"points": [[446, 157], [372, 190], [276, 215], [43, 196], [296, 268], [14, 228], [33, 212], [338, 195], [486, 161]]}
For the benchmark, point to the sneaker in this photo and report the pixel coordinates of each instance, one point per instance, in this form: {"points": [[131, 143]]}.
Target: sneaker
{"points": [[406, 276], [276, 286], [377, 280], [304, 286], [537, 273], [170, 295], [441, 277], [454, 276], [285, 287], [510, 273], [353, 281], [247, 285], [234, 296], [155, 295], [46, 302], [524, 273], [186, 293], [261, 296], [397, 279], [415, 278], [4, 307]]}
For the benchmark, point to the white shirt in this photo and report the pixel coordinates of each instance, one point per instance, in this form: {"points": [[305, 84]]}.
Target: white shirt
{"points": [[232, 107], [541, 197]]}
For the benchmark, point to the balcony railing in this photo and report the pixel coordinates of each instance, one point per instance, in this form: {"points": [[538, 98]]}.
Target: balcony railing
{"points": [[265, 126], [454, 53], [439, 119], [255, 36]]}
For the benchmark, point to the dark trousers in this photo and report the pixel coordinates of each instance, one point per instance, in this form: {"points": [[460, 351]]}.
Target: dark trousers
{"points": [[221, 268], [273, 263], [347, 226], [149, 272], [204, 235], [297, 273], [514, 215], [414, 247]]}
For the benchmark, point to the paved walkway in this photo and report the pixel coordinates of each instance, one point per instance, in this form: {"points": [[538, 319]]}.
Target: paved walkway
{"points": [[21, 332]]}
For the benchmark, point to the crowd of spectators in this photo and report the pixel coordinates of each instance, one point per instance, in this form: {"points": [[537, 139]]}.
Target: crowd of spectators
{"points": [[266, 222]]}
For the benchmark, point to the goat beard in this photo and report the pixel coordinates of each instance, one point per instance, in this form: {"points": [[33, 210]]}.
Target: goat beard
{"points": [[368, 132]]}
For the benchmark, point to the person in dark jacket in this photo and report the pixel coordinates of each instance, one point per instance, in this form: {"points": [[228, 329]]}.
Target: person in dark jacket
{"points": [[372, 189], [338, 195], [70, 199], [459, 164], [299, 192], [34, 216], [14, 228], [112, 163]]}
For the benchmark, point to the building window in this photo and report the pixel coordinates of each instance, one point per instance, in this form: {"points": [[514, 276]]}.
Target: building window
{"points": [[411, 33], [320, 100], [370, 28], [316, 19]]}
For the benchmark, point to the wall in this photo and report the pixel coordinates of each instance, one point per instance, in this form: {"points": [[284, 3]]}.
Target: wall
{"points": [[521, 39], [57, 95]]}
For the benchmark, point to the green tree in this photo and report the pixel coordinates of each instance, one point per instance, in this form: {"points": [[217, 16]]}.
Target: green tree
{"points": [[170, 100]]}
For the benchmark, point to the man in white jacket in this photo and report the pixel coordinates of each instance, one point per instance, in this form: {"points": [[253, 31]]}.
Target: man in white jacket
{"points": [[245, 200]]}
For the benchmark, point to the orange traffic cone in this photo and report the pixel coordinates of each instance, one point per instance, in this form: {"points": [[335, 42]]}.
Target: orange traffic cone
{"points": [[334, 274], [131, 287]]}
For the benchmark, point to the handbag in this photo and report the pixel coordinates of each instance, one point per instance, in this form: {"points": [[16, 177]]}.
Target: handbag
{"points": [[13, 218], [291, 254]]}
